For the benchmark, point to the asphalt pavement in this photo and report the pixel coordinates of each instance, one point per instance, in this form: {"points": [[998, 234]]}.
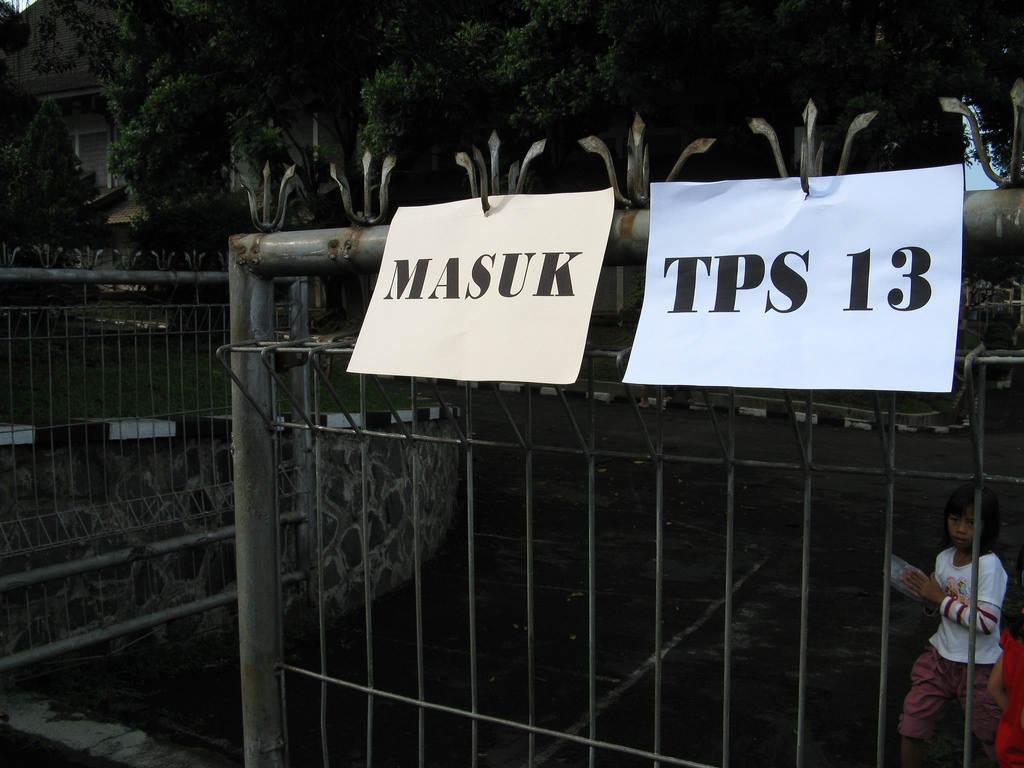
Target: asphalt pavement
{"points": [[763, 571]]}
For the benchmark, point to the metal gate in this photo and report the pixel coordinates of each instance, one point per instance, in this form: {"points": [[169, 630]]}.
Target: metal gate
{"points": [[686, 586]]}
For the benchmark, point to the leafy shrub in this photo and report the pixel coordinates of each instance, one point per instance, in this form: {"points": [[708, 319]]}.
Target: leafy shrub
{"points": [[202, 223], [43, 194]]}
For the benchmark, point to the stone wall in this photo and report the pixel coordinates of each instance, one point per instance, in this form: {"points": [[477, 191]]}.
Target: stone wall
{"points": [[64, 500], [78, 492], [393, 493]]}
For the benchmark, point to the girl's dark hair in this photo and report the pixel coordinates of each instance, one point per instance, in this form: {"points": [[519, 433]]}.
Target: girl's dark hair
{"points": [[962, 499]]}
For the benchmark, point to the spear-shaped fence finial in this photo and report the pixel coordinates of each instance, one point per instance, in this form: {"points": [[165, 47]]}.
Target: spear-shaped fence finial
{"points": [[266, 224], [811, 151], [479, 179], [366, 217], [638, 165], [1016, 177]]}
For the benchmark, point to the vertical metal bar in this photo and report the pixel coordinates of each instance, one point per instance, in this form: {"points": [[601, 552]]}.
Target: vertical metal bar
{"points": [[973, 618], [318, 559], [730, 517], [530, 629], [302, 439], [659, 561], [256, 527], [591, 578], [104, 405], [66, 384], [135, 388], [89, 456], [805, 579], [7, 318], [127, 392], [471, 557], [658, 461], [176, 346], [978, 435], [889, 457], [34, 416], [165, 343], [412, 451], [364, 536]]}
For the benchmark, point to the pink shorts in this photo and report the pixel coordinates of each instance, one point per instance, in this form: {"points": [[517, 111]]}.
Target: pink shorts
{"points": [[935, 682]]}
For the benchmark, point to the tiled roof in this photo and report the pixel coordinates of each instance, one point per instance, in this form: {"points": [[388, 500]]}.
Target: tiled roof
{"points": [[107, 197], [115, 205], [124, 212], [78, 79]]}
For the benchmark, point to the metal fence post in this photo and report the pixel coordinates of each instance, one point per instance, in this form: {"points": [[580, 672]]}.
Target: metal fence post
{"points": [[256, 525], [302, 439]]}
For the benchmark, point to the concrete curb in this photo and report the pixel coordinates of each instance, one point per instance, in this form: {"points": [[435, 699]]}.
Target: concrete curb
{"points": [[764, 407], [104, 743]]}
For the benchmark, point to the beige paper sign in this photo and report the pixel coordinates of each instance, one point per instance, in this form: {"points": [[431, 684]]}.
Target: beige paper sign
{"points": [[505, 296]]}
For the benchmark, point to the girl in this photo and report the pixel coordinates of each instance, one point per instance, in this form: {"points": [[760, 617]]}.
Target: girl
{"points": [[1006, 684], [940, 673]]}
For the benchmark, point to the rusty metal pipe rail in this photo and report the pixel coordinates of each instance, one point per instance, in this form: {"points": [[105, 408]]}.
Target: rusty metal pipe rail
{"points": [[126, 556], [142, 623], [993, 225], [359, 250], [111, 276]]}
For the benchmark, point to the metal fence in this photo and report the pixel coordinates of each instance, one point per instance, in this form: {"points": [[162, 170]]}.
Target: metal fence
{"points": [[115, 469], [602, 605], [593, 610], [569, 626]]}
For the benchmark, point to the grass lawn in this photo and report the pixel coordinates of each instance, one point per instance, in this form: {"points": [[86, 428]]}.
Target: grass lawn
{"points": [[161, 376], [66, 370]]}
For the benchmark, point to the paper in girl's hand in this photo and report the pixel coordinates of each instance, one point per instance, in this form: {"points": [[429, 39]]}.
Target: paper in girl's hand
{"points": [[900, 565]]}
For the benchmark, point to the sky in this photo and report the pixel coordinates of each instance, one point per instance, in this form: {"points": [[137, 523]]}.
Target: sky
{"points": [[975, 178]]}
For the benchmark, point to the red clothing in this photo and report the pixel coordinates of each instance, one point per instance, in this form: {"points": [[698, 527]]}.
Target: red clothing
{"points": [[1010, 736], [935, 683]]}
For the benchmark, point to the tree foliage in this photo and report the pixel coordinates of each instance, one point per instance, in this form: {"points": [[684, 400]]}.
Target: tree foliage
{"points": [[198, 86], [44, 196], [563, 67], [15, 107], [198, 224], [203, 87], [13, 31]]}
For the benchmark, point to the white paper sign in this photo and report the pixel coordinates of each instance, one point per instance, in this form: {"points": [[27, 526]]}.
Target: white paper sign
{"points": [[505, 296], [857, 286]]}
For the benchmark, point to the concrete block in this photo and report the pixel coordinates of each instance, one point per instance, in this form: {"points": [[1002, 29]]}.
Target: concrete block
{"points": [[17, 434]]}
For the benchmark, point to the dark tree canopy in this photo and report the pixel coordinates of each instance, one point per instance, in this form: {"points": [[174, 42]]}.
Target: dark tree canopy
{"points": [[15, 107], [43, 196], [198, 86], [556, 67]]}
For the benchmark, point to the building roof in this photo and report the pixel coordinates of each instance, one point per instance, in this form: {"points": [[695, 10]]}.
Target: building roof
{"points": [[77, 80], [124, 212]]}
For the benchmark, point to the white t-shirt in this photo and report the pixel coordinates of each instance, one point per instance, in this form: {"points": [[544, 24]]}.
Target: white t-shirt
{"points": [[952, 640]]}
